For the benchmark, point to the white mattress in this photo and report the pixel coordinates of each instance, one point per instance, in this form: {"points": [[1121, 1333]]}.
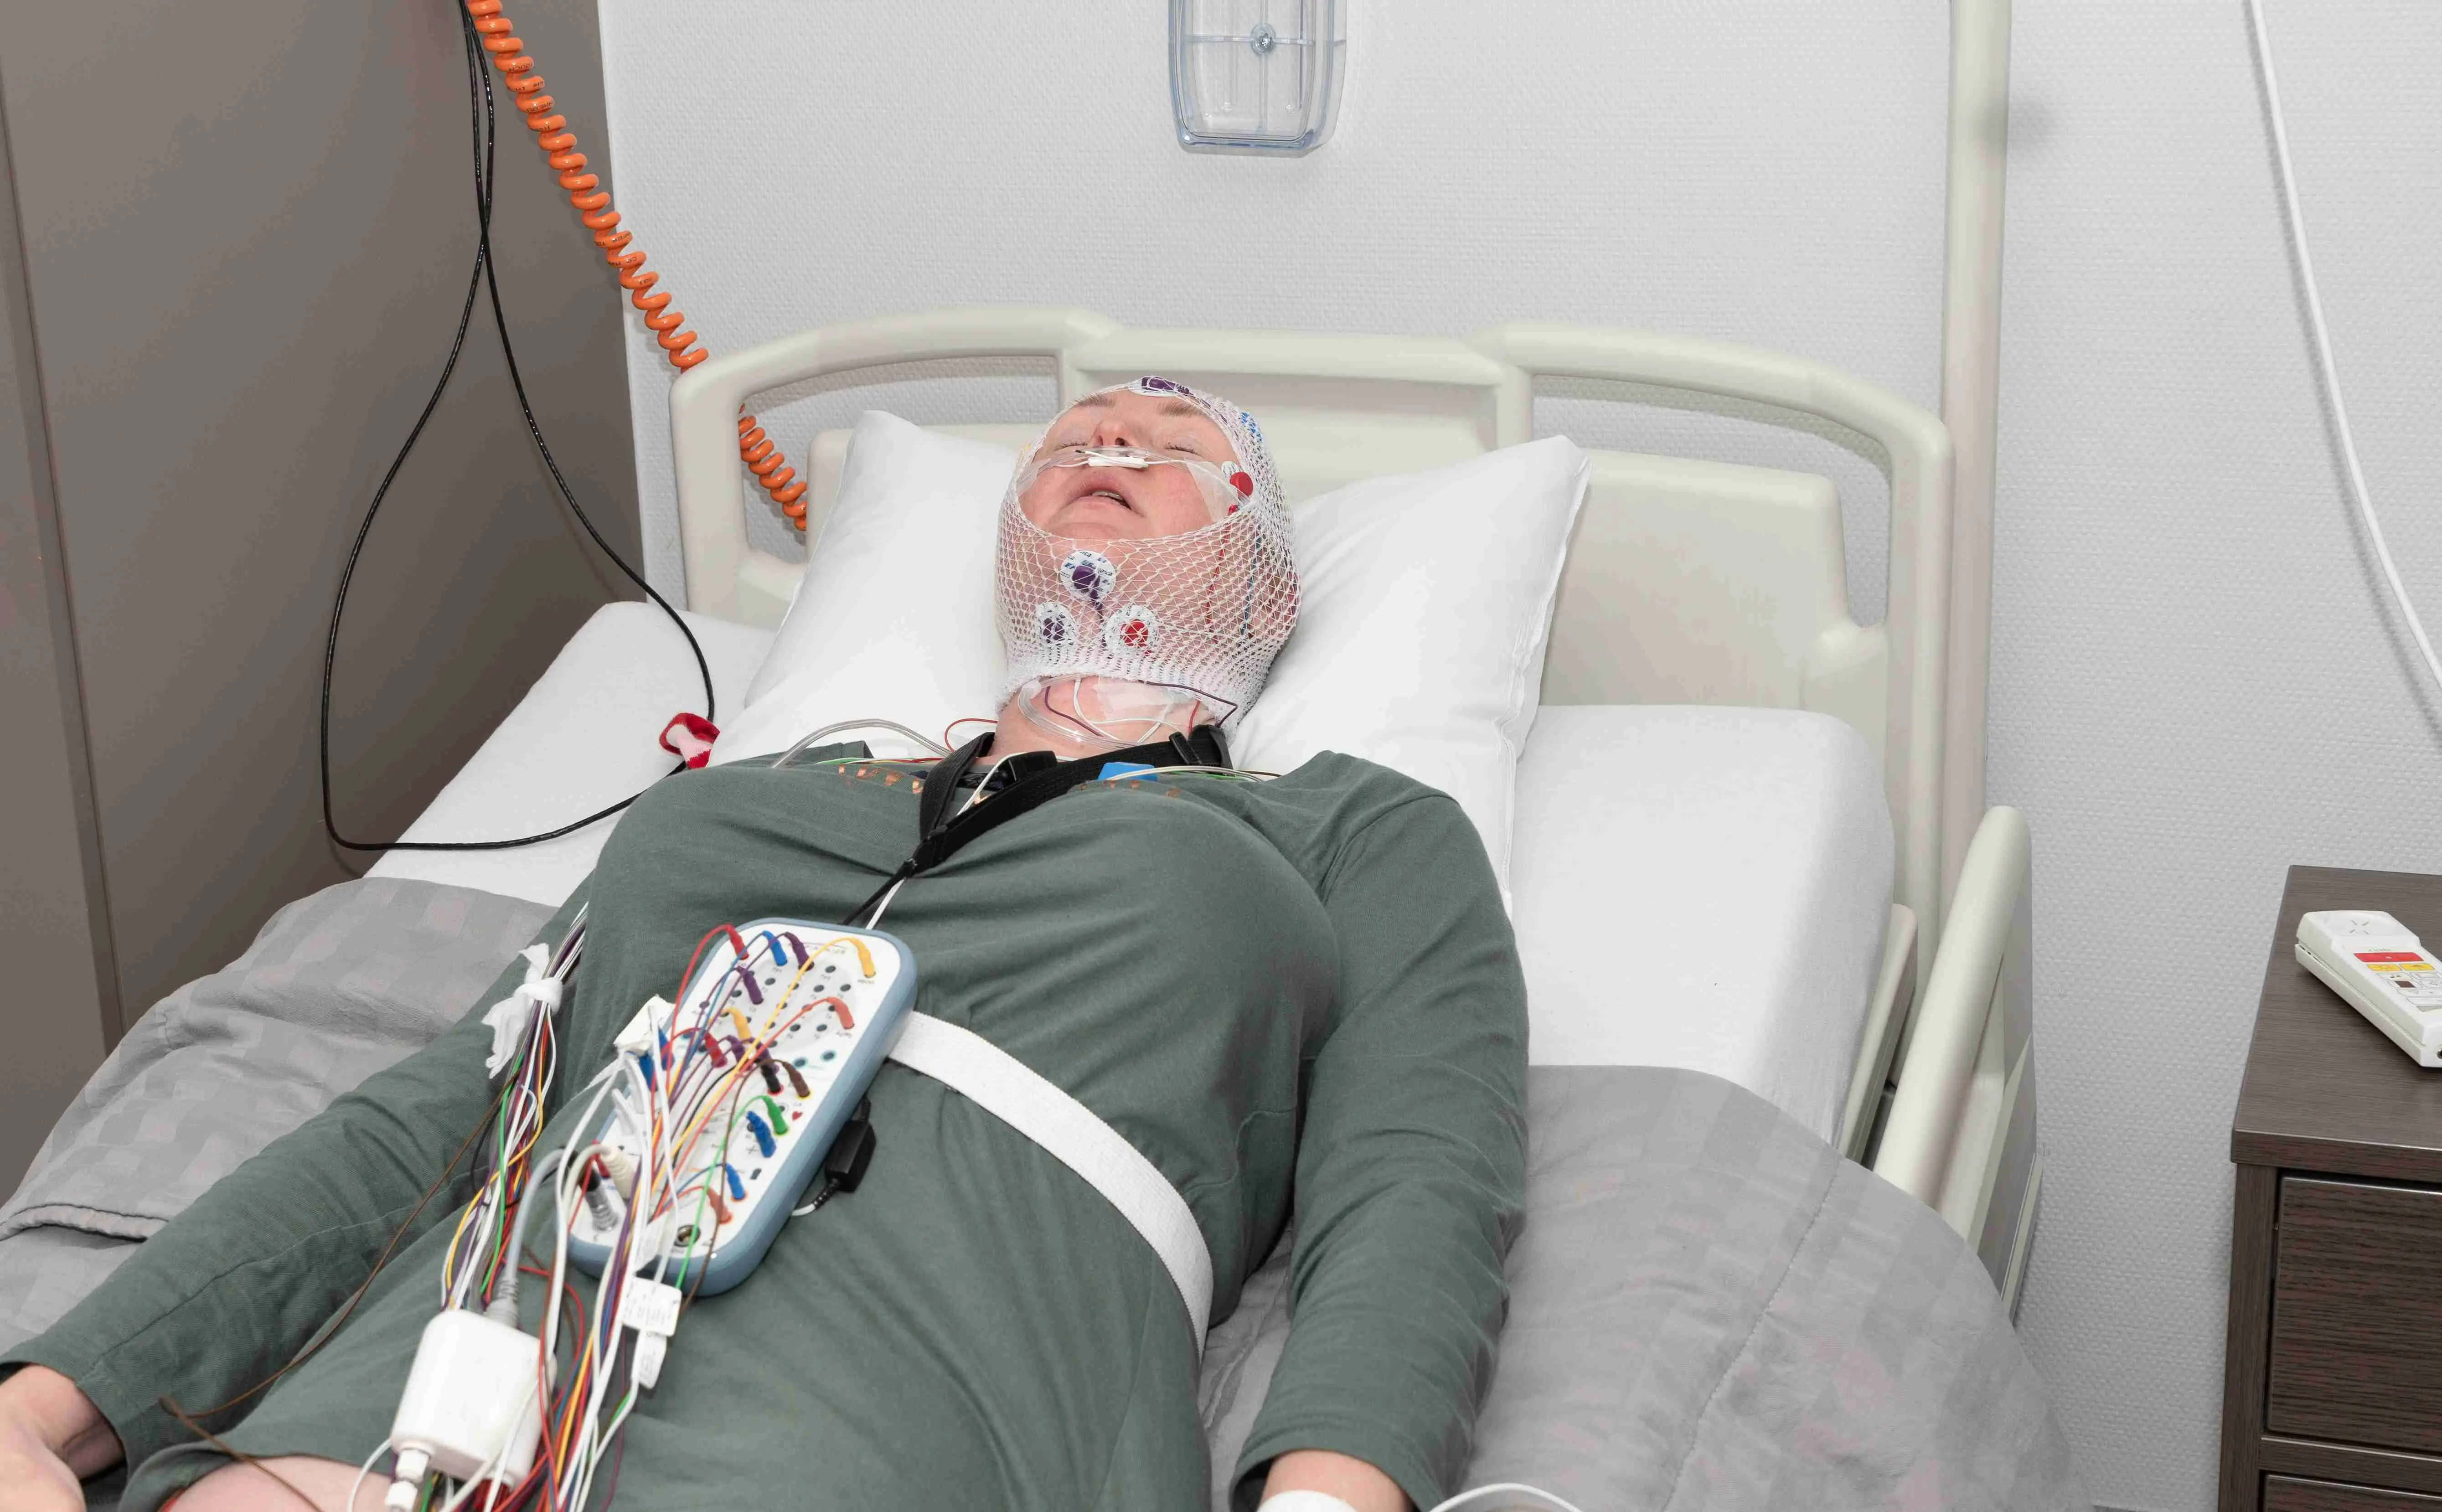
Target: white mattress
{"points": [[1702, 887], [1706, 887]]}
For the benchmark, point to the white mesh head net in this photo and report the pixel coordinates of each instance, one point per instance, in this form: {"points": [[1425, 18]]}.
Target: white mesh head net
{"points": [[1200, 612]]}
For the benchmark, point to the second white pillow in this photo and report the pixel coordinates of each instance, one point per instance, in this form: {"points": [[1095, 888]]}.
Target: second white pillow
{"points": [[1424, 606], [894, 616]]}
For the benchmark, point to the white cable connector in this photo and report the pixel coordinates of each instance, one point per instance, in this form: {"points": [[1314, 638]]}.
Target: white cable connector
{"points": [[651, 1308], [2297, 224], [469, 1406], [645, 1366], [407, 1480], [622, 1167]]}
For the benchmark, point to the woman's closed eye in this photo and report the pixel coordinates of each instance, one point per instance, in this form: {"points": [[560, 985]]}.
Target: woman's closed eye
{"points": [[1184, 446]]}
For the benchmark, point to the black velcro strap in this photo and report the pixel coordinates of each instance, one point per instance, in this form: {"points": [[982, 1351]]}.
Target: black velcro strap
{"points": [[941, 783], [1201, 747], [1021, 796], [942, 839]]}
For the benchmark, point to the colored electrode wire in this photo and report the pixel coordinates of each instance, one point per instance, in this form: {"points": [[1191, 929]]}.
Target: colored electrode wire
{"points": [[473, 1268], [790, 755], [593, 203], [683, 1102], [478, 92]]}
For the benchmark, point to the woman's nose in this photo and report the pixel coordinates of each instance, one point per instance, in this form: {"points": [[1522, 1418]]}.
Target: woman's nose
{"points": [[1113, 431]]}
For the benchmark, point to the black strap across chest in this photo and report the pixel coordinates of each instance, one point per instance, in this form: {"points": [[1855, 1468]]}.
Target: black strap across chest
{"points": [[1036, 777]]}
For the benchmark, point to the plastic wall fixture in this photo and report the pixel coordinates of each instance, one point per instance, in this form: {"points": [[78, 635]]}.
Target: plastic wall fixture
{"points": [[1256, 76]]}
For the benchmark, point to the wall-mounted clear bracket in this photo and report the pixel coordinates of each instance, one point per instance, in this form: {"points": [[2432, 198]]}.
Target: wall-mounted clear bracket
{"points": [[1256, 76]]}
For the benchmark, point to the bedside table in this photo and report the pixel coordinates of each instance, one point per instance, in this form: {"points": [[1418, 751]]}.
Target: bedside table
{"points": [[2332, 1392]]}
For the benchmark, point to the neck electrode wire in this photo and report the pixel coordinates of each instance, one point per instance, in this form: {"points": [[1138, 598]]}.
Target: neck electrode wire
{"points": [[2296, 227], [480, 106], [922, 743]]}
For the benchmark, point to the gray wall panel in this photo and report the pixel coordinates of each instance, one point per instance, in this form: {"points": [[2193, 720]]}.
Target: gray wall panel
{"points": [[244, 270], [61, 1008]]}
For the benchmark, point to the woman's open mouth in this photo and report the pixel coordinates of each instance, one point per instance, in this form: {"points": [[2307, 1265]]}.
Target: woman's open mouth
{"points": [[1108, 492]]}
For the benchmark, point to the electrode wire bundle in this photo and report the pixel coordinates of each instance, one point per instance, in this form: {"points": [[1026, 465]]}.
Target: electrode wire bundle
{"points": [[482, 1241], [666, 1094], [661, 1094]]}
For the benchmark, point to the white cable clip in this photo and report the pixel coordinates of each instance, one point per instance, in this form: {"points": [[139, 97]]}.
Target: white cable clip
{"points": [[514, 1015], [643, 1028], [651, 1308]]}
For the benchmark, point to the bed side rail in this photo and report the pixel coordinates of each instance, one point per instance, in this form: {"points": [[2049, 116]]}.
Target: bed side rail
{"points": [[1913, 450], [1878, 1047], [1961, 1135]]}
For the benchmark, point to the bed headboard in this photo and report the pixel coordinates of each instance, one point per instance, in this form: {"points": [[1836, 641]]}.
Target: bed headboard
{"points": [[1687, 582]]}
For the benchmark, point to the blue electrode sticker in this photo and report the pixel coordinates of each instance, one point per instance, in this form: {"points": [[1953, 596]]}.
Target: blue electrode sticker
{"points": [[1119, 771]]}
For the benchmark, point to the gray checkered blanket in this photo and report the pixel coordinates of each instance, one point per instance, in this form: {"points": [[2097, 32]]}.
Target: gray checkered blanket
{"points": [[1709, 1308]]}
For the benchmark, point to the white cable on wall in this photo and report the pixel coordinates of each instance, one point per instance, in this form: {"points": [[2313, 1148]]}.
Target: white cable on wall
{"points": [[2297, 225]]}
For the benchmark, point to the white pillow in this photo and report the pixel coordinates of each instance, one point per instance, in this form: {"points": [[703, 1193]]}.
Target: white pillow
{"points": [[894, 615], [1424, 601]]}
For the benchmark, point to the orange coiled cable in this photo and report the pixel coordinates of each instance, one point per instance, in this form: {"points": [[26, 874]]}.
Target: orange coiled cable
{"points": [[585, 192]]}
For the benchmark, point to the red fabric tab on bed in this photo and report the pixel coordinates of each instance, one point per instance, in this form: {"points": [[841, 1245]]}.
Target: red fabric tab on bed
{"points": [[690, 738]]}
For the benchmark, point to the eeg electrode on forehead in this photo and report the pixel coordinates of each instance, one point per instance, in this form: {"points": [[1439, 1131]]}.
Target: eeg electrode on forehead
{"points": [[1191, 618]]}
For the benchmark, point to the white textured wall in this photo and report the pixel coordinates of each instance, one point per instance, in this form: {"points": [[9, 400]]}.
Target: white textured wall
{"points": [[791, 162], [2193, 684]]}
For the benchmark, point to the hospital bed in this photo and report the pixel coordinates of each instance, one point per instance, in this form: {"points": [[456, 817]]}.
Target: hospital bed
{"points": [[1752, 895], [1778, 906]]}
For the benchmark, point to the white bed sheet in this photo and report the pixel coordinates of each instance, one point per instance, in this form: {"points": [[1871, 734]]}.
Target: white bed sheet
{"points": [[584, 737], [1703, 887], [1693, 886]]}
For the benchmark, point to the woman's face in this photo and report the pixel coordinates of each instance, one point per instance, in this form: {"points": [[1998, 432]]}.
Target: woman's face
{"points": [[1126, 504]]}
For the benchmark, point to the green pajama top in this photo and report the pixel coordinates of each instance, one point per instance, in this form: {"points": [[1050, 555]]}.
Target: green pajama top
{"points": [[1297, 998]]}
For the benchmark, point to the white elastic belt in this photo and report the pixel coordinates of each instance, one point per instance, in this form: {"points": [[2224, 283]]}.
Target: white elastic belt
{"points": [[1074, 1134]]}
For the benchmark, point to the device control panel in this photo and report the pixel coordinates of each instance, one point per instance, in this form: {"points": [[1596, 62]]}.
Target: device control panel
{"points": [[751, 1078]]}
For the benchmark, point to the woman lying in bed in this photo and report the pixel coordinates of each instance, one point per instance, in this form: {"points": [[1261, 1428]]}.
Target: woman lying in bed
{"points": [[1298, 993]]}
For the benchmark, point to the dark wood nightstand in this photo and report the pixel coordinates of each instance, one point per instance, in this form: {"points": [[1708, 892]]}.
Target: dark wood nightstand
{"points": [[2332, 1396]]}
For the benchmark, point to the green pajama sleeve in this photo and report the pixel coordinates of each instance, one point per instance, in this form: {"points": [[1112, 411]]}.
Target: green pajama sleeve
{"points": [[1410, 1164], [229, 1290]]}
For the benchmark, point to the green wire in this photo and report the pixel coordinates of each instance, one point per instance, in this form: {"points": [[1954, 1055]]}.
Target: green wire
{"points": [[500, 1173], [703, 1200]]}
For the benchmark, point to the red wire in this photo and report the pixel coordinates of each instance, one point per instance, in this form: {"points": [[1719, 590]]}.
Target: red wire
{"points": [[618, 1452], [688, 974]]}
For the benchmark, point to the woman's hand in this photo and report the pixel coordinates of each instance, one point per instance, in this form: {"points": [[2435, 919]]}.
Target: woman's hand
{"points": [[1352, 1480], [50, 1436]]}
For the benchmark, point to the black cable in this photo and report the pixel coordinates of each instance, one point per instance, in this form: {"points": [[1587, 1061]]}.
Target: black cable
{"points": [[481, 116]]}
